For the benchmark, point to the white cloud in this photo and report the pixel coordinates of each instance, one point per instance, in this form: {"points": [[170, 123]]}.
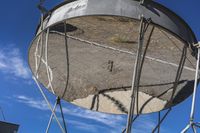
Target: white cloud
{"points": [[107, 119], [113, 123], [83, 126], [12, 63], [38, 104]]}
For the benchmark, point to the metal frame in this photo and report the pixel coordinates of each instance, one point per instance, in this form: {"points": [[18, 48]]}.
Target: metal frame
{"points": [[192, 124], [136, 73], [159, 14]]}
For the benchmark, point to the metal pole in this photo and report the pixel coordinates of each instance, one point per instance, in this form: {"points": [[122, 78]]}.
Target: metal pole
{"points": [[191, 123], [67, 58], [134, 87], [186, 128], [195, 86]]}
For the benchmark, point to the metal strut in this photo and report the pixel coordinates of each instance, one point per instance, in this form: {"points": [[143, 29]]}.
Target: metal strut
{"points": [[136, 75], [58, 102], [192, 124], [63, 130]]}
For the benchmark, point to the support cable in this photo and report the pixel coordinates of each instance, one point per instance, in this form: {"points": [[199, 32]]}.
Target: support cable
{"points": [[67, 59], [48, 69], [174, 43], [179, 72], [62, 114], [143, 56], [39, 43], [161, 120]]}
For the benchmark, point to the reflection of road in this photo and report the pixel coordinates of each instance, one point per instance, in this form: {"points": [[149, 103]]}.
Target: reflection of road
{"points": [[124, 51]]}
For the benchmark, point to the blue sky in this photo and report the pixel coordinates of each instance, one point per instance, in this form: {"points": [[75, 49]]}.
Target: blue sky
{"points": [[23, 104]]}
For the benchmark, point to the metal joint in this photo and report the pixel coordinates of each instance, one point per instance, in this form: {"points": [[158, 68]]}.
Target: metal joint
{"points": [[197, 45]]}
